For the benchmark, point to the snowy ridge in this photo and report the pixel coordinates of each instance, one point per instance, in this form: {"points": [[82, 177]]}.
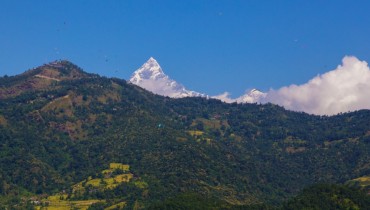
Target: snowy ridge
{"points": [[150, 76], [252, 96], [343, 89]]}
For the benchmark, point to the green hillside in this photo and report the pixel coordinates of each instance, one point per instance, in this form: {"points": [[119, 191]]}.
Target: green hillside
{"points": [[60, 125], [325, 196]]}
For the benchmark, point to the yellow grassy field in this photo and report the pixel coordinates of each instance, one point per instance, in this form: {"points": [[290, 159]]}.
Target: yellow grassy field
{"points": [[110, 182], [123, 177], [364, 181], [54, 204], [119, 166], [59, 202], [195, 133], [113, 166], [94, 182]]}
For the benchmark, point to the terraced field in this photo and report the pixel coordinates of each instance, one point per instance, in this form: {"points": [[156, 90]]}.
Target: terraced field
{"points": [[61, 201]]}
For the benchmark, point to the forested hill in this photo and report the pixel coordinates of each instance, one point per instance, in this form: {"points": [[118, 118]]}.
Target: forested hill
{"points": [[60, 125]]}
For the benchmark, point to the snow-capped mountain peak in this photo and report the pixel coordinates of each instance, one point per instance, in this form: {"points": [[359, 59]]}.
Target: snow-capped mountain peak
{"points": [[149, 70], [150, 76], [252, 96]]}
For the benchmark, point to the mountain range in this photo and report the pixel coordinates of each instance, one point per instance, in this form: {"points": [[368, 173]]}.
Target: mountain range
{"points": [[343, 89], [68, 137], [150, 76]]}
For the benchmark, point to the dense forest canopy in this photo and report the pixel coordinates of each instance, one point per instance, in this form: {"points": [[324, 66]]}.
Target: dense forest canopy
{"points": [[60, 125]]}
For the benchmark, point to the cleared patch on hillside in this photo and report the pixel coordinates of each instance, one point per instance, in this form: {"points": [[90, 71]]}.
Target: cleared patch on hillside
{"points": [[334, 142], [64, 107], [294, 140], [292, 150], [75, 130], [55, 203], [60, 106], [207, 130], [181, 139], [41, 78], [92, 118], [210, 123], [24, 86], [102, 183], [109, 96], [3, 121], [195, 133], [110, 178], [49, 74], [362, 181], [367, 133], [121, 166], [331, 143], [61, 70]]}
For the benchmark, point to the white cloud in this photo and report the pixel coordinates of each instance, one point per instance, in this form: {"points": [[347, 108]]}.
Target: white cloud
{"points": [[225, 97], [346, 88], [160, 87]]}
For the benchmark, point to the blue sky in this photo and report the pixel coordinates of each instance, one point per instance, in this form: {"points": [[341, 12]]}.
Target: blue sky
{"points": [[209, 46]]}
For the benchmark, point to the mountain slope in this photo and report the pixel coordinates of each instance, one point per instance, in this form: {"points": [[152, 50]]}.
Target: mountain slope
{"points": [[58, 135], [40, 78], [151, 77]]}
